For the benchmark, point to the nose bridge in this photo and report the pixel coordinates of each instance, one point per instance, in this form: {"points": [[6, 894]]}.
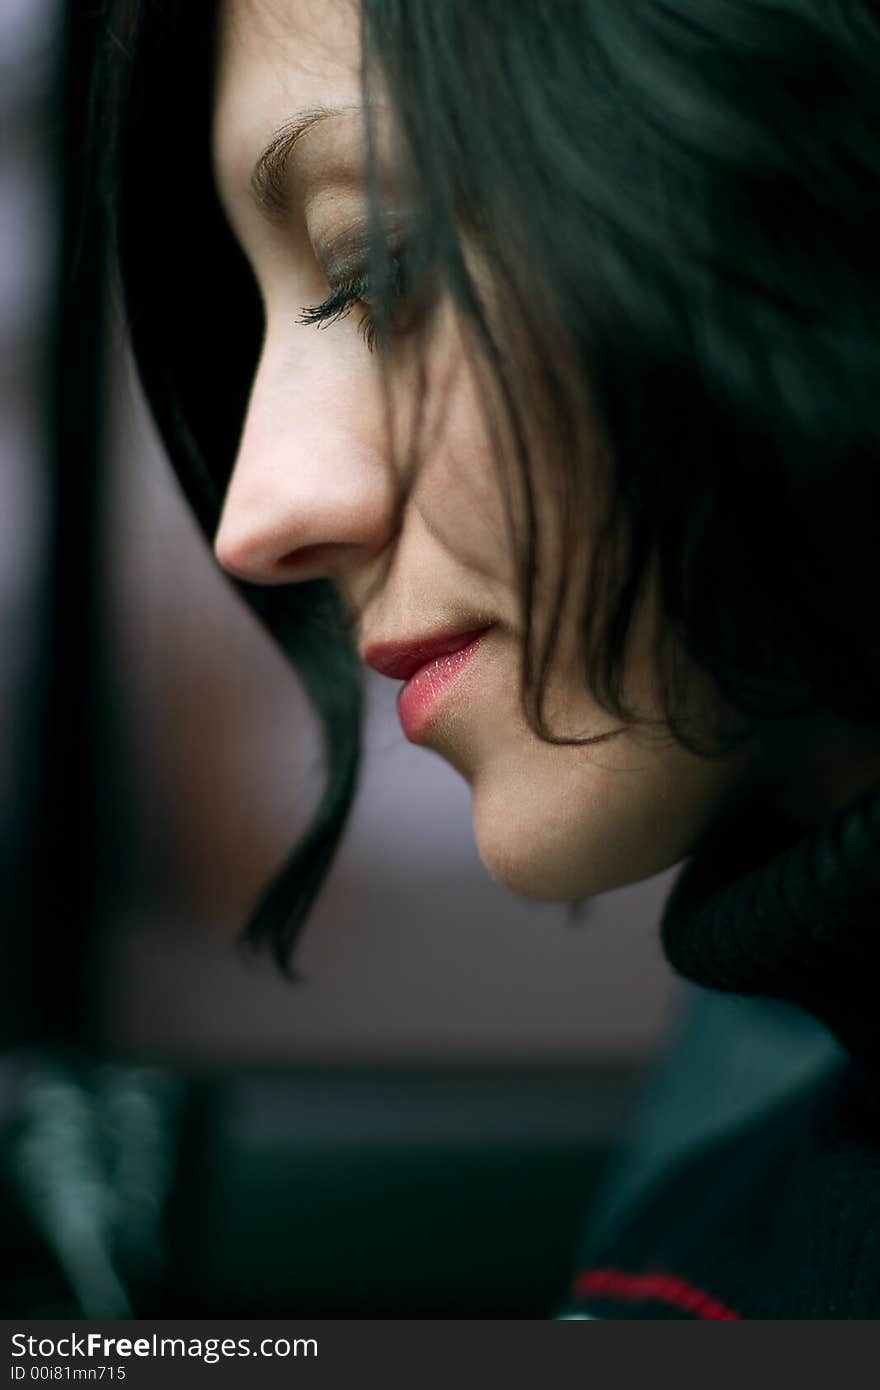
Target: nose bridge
{"points": [[310, 489]]}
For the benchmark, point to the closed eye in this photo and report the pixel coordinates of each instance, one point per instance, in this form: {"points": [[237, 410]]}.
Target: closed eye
{"points": [[339, 303], [404, 299]]}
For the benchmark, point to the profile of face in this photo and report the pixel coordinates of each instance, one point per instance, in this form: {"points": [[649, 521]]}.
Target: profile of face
{"points": [[314, 493]]}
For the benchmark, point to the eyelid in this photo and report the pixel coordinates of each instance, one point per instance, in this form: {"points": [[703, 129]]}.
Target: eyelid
{"points": [[344, 253], [381, 322]]}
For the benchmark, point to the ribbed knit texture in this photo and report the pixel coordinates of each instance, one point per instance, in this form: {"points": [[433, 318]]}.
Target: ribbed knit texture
{"points": [[803, 924], [780, 1217]]}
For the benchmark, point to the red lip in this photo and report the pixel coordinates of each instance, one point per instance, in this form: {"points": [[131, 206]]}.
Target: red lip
{"points": [[401, 660]]}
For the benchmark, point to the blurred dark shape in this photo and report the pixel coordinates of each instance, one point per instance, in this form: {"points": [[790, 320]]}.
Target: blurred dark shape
{"points": [[56, 885], [87, 1162], [400, 1192]]}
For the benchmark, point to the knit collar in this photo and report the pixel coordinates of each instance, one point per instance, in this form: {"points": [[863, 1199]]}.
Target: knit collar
{"points": [[762, 907]]}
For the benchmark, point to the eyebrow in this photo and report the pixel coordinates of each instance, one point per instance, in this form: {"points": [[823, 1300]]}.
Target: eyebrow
{"points": [[269, 184]]}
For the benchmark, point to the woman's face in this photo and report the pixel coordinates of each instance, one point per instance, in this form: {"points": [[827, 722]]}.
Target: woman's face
{"points": [[314, 493]]}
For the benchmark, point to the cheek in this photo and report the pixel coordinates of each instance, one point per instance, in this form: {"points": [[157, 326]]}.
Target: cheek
{"points": [[458, 491], [463, 509]]}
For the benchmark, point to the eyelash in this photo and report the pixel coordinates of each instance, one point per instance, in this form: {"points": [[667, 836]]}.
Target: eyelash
{"points": [[343, 299]]}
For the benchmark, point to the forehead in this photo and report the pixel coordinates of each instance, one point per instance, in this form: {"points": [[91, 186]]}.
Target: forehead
{"points": [[276, 58]]}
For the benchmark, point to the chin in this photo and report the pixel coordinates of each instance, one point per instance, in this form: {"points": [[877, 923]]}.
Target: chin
{"points": [[557, 853], [538, 857]]}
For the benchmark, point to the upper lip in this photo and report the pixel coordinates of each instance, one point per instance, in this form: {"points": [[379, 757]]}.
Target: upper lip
{"points": [[400, 660]]}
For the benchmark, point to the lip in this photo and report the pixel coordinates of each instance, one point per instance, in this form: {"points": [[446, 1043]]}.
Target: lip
{"points": [[401, 660], [428, 665]]}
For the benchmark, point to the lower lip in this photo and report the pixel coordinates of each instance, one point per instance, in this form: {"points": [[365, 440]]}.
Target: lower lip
{"points": [[418, 701]]}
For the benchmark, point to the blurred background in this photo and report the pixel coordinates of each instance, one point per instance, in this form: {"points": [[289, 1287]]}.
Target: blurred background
{"points": [[419, 1127]]}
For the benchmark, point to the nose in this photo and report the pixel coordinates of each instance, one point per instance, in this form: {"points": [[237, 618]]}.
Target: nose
{"points": [[311, 494]]}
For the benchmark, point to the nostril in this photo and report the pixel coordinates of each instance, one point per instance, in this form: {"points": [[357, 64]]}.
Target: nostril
{"points": [[301, 554], [319, 558]]}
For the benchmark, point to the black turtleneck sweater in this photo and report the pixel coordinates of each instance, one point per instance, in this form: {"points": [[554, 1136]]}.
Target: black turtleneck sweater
{"points": [[780, 1217]]}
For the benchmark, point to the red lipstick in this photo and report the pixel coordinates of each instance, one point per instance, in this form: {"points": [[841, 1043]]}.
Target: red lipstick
{"points": [[428, 665]]}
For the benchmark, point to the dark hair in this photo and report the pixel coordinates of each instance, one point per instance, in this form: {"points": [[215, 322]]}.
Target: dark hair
{"points": [[678, 202]]}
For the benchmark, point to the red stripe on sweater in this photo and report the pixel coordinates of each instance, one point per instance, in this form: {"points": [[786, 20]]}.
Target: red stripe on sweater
{"points": [[662, 1288]]}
